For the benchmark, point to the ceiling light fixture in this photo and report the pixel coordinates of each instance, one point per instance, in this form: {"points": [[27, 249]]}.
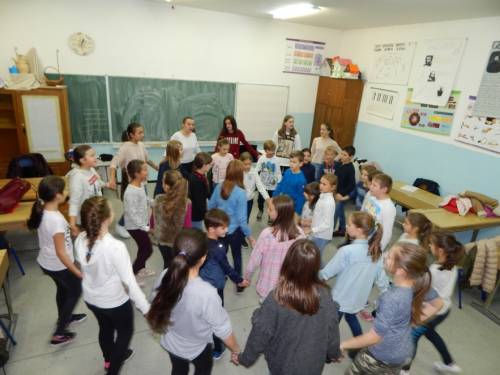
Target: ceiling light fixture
{"points": [[297, 10]]}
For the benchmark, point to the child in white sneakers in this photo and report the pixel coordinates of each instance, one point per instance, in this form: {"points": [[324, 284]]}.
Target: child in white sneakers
{"points": [[269, 170]]}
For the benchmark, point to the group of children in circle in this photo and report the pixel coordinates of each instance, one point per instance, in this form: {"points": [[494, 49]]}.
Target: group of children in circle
{"points": [[297, 211]]}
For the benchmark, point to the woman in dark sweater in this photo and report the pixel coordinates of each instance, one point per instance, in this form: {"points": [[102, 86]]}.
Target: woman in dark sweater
{"points": [[303, 302], [235, 136], [198, 188]]}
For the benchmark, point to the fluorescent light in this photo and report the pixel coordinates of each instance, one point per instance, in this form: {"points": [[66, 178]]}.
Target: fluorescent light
{"points": [[296, 10]]}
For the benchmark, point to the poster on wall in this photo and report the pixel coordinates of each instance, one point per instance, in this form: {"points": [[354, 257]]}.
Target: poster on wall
{"points": [[488, 96], [437, 72], [391, 63], [303, 56], [430, 118], [382, 102], [479, 131]]}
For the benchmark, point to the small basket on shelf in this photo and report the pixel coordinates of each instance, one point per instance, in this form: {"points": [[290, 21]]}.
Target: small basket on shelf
{"points": [[55, 82]]}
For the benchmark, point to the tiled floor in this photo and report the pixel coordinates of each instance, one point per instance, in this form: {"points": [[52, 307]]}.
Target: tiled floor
{"points": [[473, 339]]}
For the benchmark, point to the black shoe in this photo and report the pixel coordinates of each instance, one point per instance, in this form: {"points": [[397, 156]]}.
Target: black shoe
{"points": [[240, 289], [339, 233], [63, 339], [244, 244], [78, 318]]}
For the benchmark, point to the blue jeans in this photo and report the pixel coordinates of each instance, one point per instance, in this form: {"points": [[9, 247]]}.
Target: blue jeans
{"points": [[197, 224], [249, 209], [339, 215], [319, 171], [234, 240], [321, 243], [353, 322]]}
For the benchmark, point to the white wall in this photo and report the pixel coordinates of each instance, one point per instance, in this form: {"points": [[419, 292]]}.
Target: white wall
{"points": [[148, 39]]}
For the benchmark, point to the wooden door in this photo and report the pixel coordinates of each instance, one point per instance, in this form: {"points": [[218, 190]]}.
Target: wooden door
{"points": [[323, 90], [354, 92], [333, 116], [337, 92]]}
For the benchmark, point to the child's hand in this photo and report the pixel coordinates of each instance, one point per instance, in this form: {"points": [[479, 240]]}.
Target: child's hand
{"points": [[75, 231], [151, 231], [234, 359], [268, 200], [307, 231], [112, 185], [252, 241], [339, 197], [244, 283]]}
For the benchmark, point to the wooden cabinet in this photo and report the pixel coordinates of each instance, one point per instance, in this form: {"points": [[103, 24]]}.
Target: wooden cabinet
{"points": [[337, 103], [35, 121]]}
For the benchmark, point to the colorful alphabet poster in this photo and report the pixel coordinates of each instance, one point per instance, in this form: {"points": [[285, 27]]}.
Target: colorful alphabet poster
{"points": [[479, 131], [430, 118], [391, 63], [303, 56]]}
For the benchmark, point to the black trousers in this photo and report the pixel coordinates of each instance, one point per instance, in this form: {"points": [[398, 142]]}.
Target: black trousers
{"points": [[261, 200], [144, 249], [167, 255], [69, 290], [218, 341], [202, 364], [120, 320]]}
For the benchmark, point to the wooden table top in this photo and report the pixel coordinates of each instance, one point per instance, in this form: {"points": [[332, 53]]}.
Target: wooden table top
{"points": [[445, 219], [30, 195], [4, 265], [417, 199], [17, 219]]}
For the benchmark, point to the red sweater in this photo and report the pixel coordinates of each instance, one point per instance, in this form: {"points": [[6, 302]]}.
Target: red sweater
{"points": [[234, 144]]}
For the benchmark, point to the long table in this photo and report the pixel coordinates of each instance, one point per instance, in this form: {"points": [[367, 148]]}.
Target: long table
{"points": [[35, 182], [416, 199], [4, 267]]}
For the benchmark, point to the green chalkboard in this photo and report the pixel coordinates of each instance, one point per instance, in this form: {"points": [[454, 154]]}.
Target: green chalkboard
{"points": [[159, 105], [88, 109]]}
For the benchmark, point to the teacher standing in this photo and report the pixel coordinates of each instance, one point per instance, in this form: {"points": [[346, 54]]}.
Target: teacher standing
{"points": [[286, 140], [235, 136], [189, 143]]}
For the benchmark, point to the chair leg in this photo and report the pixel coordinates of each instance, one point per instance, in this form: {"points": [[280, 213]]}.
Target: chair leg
{"points": [[459, 291], [7, 333], [13, 252]]}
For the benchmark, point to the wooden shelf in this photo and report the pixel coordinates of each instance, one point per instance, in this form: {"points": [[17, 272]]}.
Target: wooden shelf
{"points": [[6, 106], [8, 126]]}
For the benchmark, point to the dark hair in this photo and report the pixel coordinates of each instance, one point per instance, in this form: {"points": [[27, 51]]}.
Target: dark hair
{"points": [[297, 154], [131, 128], [201, 159], [79, 153], [372, 174], [285, 220], [269, 145], [298, 283], [134, 166], [187, 118], [233, 123], [351, 151], [453, 249], [49, 187], [412, 259], [329, 128], [222, 142], [94, 212], [424, 225], [306, 150], [373, 233], [384, 180], [216, 218], [177, 196], [193, 244], [234, 176], [282, 131], [312, 189]]}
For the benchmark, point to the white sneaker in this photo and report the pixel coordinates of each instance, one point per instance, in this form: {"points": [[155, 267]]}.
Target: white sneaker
{"points": [[141, 283], [145, 273], [121, 231], [454, 369], [404, 372]]}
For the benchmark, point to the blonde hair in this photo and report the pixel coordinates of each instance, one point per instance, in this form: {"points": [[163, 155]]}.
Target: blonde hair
{"points": [[269, 145], [246, 156], [173, 154], [177, 194], [331, 149]]}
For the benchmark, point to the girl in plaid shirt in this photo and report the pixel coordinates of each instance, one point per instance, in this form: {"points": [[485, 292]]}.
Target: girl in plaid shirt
{"points": [[273, 244]]}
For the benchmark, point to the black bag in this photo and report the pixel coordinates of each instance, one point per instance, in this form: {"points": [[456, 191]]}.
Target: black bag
{"points": [[106, 157]]}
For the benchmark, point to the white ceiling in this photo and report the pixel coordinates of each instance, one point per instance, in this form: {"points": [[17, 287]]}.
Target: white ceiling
{"points": [[357, 14]]}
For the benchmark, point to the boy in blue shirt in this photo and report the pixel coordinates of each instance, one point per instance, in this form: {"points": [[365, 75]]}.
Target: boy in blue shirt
{"points": [[347, 183], [216, 266], [293, 181]]}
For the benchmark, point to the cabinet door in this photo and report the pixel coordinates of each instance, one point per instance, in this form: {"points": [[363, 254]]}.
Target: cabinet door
{"points": [[333, 116], [353, 94], [337, 92], [323, 90], [319, 118]]}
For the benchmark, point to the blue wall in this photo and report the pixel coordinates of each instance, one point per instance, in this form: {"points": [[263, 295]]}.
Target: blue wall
{"points": [[406, 157]]}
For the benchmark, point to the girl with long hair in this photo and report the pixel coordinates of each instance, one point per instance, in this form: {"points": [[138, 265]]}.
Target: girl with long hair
{"points": [[273, 244], [300, 308], [107, 268], [171, 161], [286, 140], [311, 194], [319, 146], [186, 310], [388, 346], [199, 191], [235, 136], [417, 229]]}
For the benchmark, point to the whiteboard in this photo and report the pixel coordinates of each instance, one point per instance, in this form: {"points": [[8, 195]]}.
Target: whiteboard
{"points": [[260, 110]]}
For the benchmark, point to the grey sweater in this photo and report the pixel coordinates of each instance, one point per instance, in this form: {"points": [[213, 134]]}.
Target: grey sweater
{"points": [[294, 344], [135, 203]]}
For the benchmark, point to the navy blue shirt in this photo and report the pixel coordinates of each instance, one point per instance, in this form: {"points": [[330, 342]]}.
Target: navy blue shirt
{"points": [[309, 172], [347, 179], [216, 266], [161, 170]]}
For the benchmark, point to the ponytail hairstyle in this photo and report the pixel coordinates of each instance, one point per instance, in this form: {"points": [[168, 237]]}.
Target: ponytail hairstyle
{"points": [[173, 154], [131, 128], [233, 123], [285, 220], [79, 153], [49, 187], [282, 131], [453, 249], [332, 179], [190, 246], [133, 167], [412, 260], [94, 212], [312, 189], [329, 129], [298, 283], [176, 199], [234, 176], [371, 229], [424, 225]]}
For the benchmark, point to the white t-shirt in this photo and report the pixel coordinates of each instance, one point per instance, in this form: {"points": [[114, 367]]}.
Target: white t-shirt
{"points": [[53, 222], [404, 238], [189, 144], [384, 212], [444, 283], [220, 166]]}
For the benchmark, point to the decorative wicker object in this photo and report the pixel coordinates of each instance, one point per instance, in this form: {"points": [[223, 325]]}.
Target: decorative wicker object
{"points": [[50, 82]]}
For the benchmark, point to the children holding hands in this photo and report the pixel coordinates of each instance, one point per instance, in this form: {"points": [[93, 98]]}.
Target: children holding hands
{"points": [[293, 181], [347, 183], [269, 171]]}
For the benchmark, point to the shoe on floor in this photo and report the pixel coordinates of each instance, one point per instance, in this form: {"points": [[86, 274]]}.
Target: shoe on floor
{"points": [[217, 355], [140, 282], [240, 289], [78, 318], [453, 368], [64, 339], [128, 355], [121, 231], [244, 244], [145, 273], [339, 233], [366, 316], [259, 215], [404, 372], [269, 221]]}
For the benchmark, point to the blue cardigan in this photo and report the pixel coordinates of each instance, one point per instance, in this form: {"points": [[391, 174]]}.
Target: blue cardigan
{"points": [[292, 184], [216, 266], [235, 207]]}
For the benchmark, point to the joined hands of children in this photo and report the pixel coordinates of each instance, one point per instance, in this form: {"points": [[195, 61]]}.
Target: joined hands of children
{"points": [[112, 185], [339, 197], [252, 241], [244, 283]]}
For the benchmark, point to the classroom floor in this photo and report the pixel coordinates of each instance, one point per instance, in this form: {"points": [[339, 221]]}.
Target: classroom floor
{"points": [[473, 339]]}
